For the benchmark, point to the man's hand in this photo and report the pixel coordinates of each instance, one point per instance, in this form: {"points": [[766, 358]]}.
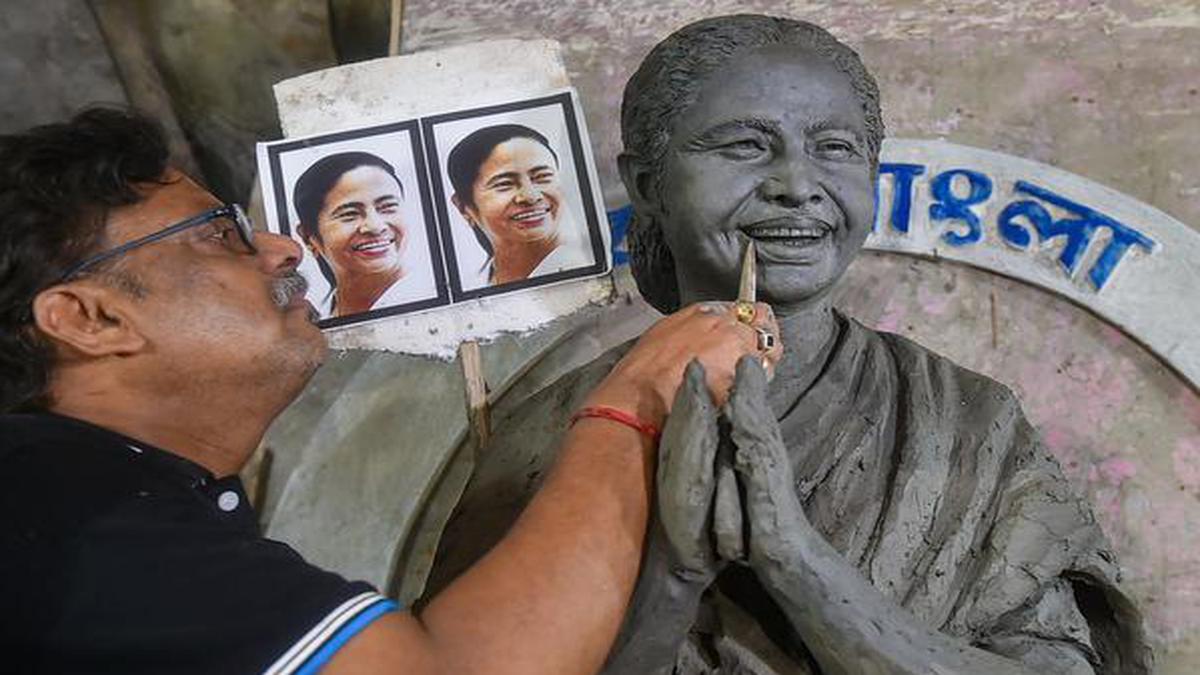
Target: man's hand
{"points": [[694, 472], [646, 380], [680, 559]]}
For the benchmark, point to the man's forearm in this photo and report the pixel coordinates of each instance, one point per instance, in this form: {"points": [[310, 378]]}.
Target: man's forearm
{"points": [[558, 584]]}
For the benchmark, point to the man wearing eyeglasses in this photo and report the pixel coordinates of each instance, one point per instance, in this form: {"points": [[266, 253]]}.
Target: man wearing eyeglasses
{"points": [[148, 337]]}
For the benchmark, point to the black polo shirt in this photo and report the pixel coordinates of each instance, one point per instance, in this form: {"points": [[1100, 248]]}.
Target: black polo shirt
{"points": [[118, 557]]}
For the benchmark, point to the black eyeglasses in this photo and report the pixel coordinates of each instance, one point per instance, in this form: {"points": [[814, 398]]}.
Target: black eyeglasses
{"points": [[232, 212]]}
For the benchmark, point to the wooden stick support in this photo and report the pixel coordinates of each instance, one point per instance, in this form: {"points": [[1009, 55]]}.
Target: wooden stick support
{"points": [[394, 34], [478, 414]]}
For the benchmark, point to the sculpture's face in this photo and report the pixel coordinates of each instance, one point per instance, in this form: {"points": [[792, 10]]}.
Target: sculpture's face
{"points": [[773, 150]]}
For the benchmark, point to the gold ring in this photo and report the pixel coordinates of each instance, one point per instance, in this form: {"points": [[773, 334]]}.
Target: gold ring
{"points": [[744, 311]]}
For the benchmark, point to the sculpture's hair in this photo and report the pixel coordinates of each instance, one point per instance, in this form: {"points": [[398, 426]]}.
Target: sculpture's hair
{"points": [[57, 185], [308, 195], [467, 158], [668, 82]]}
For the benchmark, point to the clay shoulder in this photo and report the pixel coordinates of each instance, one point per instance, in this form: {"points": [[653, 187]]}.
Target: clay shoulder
{"points": [[926, 373]]}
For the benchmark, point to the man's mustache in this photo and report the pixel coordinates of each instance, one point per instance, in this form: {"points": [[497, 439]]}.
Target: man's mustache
{"points": [[286, 287]]}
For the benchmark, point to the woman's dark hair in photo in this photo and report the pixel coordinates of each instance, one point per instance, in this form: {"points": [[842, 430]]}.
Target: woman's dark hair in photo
{"points": [[467, 158], [308, 195], [57, 185]]}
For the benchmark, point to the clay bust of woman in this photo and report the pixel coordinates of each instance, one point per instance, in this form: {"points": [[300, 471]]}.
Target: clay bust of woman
{"points": [[507, 187], [349, 207], [875, 508]]}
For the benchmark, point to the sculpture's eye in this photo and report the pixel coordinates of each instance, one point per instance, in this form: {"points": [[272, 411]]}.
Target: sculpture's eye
{"points": [[836, 148], [747, 148]]}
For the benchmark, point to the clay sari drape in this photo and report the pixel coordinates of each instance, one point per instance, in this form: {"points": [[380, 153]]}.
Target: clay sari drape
{"points": [[925, 476]]}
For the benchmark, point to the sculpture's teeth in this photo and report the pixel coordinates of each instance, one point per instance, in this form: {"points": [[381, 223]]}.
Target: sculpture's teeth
{"points": [[787, 232]]}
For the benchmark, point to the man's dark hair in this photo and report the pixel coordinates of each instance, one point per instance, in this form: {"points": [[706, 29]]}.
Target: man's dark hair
{"points": [[308, 195], [668, 82], [57, 184], [467, 158]]}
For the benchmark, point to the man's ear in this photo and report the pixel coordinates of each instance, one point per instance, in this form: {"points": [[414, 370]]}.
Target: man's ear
{"points": [[639, 179], [89, 319]]}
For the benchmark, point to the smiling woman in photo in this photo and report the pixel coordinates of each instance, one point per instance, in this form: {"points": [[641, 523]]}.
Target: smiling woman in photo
{"points": [[507, 186], [351, 219]]}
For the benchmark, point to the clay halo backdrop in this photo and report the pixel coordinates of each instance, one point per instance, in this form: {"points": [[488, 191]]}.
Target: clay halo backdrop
{"points": [[581, 249], [422, 286]]}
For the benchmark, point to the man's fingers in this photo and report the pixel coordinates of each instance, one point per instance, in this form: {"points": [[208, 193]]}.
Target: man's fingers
{"points": [[686, 481], [727, 516]]}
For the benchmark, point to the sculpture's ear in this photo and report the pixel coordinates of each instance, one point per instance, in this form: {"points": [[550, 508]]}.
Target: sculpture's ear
{"points": [[639, 178]]}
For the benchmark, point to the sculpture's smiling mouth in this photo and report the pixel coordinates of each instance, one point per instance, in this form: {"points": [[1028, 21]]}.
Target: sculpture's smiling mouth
{"points": [[802, 232]]}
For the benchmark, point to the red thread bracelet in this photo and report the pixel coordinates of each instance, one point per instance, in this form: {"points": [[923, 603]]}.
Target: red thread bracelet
{"points": [[620, 416]]}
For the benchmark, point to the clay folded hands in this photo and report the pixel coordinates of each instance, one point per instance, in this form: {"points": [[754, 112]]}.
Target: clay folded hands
{"points": [[726, 492]]}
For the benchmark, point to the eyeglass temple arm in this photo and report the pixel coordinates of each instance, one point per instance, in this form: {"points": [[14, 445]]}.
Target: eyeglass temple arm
{"points": [[152, 237]]}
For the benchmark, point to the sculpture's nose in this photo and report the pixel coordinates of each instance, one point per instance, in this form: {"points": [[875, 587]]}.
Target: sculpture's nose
{"points": [[791, 183]]}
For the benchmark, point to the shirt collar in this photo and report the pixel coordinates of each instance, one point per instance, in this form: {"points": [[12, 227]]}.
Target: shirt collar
{"points": [[166, 460]]}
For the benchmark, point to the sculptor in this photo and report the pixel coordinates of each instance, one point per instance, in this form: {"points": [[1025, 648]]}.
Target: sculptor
{"points": [[874, 508]]}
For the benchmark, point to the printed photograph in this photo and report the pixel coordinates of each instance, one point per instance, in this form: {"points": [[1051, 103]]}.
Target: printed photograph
{"points": [[358, 202], [515, 203]]}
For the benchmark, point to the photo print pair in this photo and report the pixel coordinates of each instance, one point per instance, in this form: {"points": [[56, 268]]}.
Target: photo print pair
{"points": [[424, 213]]}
